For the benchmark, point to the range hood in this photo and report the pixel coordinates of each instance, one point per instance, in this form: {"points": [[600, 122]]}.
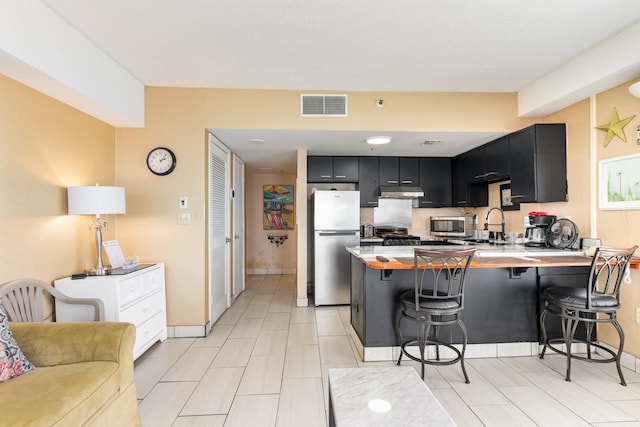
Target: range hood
{"points": [[401, 192]]}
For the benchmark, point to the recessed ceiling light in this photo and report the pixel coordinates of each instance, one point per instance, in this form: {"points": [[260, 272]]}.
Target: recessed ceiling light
{"points": [[256, 141], [378, 140]]}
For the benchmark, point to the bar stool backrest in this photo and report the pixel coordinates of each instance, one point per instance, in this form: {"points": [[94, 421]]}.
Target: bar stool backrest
{"points": [[608, 269], [440, 274]]}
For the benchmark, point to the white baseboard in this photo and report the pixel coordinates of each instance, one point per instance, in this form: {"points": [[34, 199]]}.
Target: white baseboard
{"points": [[474, 351], [627, 360], [267, 271], [186, 331]]}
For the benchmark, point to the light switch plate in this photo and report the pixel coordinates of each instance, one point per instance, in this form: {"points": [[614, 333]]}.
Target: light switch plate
{"points": [[184, 218]]}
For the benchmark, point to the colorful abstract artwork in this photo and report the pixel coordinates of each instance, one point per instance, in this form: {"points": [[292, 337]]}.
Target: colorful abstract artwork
{"points": [[278, 212]]}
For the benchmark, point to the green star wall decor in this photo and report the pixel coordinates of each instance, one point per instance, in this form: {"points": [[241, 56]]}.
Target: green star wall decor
{"points": [[615, 127]]}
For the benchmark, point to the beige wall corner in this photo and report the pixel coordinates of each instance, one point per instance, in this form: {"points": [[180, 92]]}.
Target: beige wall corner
{"points": [[48, 146], [301, 225]]}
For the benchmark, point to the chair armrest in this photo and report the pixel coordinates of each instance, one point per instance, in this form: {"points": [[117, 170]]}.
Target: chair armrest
{"points": [[50, 344], [97, 304]]}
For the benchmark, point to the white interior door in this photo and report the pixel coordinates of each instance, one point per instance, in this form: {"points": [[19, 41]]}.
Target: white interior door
{"points": [[219, 229], [238, 226]]}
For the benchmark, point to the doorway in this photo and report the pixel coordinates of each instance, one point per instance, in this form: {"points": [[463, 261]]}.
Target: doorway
{"points": [[237, 225], [219, 229]]}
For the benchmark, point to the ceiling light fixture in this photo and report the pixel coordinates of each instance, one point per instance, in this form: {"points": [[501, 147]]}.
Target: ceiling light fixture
{"points": [[634, 89], [378, 140], [256, 141]]}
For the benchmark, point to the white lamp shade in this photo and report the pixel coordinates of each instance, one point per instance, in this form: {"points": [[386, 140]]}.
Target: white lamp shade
{"points": [[94, 200]]}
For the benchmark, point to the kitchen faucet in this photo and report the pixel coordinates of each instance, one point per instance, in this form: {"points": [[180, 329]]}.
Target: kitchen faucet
{"points": [[486, 220]]}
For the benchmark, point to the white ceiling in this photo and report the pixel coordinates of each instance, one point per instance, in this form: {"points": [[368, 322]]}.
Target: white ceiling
{"points": [[277, 153], [345, 45]]}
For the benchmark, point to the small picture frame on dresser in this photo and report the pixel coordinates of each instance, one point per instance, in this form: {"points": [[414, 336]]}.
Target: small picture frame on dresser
{"points": [[114, 253]]}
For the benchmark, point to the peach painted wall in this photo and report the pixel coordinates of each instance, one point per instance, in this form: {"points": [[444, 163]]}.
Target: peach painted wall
{"points": [[264, 257], [620, 228], [47, 147], [178, 118]]}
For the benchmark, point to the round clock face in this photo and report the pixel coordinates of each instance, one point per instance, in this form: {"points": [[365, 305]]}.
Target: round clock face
{"points": [[161, 161]]}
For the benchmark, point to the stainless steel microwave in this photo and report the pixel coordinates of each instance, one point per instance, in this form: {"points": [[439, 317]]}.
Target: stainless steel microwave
{"points": [[451, 226]]}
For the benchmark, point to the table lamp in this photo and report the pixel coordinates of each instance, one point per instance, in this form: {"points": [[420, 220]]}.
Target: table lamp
{"points": [[96, 200]]}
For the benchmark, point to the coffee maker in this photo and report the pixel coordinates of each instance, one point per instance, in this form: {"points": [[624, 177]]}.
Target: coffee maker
{"points": [[535, 232]]}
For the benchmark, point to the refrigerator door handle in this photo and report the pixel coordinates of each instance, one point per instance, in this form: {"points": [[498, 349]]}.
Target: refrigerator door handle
{"points": [[337, 233]]}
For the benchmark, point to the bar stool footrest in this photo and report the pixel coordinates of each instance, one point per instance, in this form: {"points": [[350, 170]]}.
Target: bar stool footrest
{"points": [[431, 361], [559, 341]]}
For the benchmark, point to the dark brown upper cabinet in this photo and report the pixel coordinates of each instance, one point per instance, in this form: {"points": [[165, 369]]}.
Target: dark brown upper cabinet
{"points": [[332, 169], [435, 181], [368, 184], [538, 162]]}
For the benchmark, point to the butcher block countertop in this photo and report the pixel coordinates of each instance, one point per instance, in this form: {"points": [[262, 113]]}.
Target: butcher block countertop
{"points": [[401, 257]]}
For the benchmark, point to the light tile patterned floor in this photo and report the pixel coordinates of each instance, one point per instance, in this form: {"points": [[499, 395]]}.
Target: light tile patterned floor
{"points": [[265, 363]]}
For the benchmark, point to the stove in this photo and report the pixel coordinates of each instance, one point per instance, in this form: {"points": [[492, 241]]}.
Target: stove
{"points": [[400, 240]]}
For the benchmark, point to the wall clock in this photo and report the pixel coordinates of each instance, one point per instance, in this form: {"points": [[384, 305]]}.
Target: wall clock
{"points": [[161, 161]]}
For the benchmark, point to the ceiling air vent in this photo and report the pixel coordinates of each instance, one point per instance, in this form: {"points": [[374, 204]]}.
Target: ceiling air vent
{"points": [[323, 105]]}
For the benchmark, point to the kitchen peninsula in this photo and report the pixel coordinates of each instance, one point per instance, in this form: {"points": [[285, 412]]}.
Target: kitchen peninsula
{"points": [[502, 296]]}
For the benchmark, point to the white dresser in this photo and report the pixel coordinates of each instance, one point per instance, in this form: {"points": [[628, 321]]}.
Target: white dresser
{"points": [[136, 297]]}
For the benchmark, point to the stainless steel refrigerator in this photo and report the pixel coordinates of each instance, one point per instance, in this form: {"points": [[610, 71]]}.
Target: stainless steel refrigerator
{"points": [[336, 225]]}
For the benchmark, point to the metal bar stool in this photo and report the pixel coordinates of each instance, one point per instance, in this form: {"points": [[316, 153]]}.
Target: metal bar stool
{"points": [[596, 303], [436, 300]]}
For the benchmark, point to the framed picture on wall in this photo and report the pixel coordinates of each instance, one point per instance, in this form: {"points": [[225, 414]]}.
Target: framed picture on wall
{"points": [[506, 203], [619, 179], [278, 207]]}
